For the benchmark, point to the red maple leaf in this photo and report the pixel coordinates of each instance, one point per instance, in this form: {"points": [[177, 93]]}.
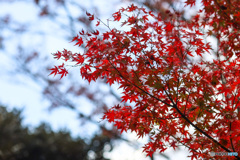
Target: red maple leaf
{"points": [[54, 71], [63, 72]]}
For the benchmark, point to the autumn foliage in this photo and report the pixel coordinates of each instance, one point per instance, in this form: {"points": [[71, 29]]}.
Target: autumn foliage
{"points": [[182, 90]]}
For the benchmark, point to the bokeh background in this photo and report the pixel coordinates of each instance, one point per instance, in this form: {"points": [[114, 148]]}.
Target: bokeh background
{"points": [[42, 117]]}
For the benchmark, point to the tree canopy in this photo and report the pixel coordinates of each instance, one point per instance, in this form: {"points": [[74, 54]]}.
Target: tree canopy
{"points": [[179, 95], [18, 142]]}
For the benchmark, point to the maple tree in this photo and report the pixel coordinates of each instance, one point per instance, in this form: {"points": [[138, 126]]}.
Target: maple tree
{"points": [[28, 59], [180, 97]]}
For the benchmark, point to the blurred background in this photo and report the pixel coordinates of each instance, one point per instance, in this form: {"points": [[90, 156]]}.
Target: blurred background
{"points": [[42, 117]]}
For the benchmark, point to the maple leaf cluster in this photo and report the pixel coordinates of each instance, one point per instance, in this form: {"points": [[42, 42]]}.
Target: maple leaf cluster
{"points": [[180, 97]]}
